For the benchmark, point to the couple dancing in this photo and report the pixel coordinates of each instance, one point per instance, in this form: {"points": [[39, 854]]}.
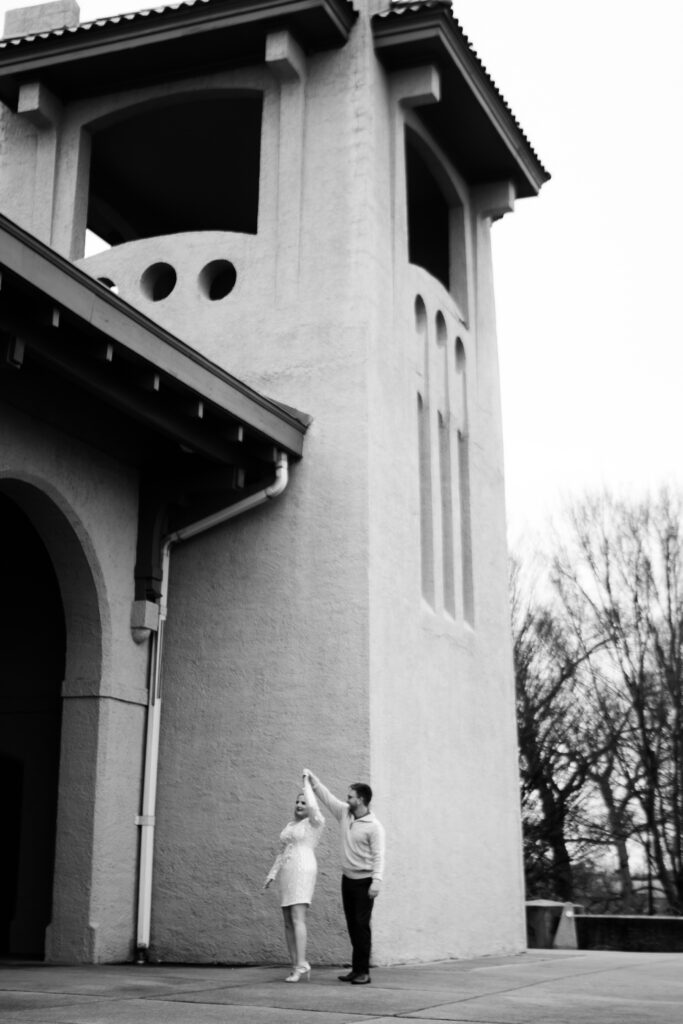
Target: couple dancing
{"points": [[362, 850]]}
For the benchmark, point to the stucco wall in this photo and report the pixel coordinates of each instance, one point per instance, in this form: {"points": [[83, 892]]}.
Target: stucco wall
{"points": [[280, 598], [18, 147], [442, 686], [352, 674], [266, 670], [443, 739], [266, 660]]}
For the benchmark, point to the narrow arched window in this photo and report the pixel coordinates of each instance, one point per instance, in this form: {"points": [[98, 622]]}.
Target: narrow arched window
{"points": [[462, 420], [445, 472], [424, 455]]}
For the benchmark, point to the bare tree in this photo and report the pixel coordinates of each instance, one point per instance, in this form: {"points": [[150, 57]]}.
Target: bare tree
{"points": [[555, 739], [619, 576]]}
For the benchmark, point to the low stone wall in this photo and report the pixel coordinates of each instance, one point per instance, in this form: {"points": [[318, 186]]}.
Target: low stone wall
{"points": [[637, 933]]}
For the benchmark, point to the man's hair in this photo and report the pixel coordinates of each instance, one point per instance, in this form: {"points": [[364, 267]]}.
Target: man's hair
{"points": [[362, 791]]}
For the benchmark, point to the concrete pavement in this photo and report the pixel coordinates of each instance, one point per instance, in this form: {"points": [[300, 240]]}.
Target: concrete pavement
{"points": [[538, 987]]}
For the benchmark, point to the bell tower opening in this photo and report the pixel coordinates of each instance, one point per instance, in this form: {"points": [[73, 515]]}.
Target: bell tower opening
{"points": [[429, 227], [191, 164], [32, 662]]}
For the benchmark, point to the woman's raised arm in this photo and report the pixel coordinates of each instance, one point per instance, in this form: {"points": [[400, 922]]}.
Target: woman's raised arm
{"points": [[314, 813], [333, 803]]}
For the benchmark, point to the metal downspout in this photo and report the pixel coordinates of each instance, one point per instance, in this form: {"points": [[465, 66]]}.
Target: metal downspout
{"points": [[146, 819]]}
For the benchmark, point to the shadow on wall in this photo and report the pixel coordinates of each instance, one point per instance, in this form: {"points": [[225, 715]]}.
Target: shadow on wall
{"points": [[31, 675]]}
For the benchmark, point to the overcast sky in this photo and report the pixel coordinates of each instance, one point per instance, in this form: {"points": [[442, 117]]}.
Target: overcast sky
{"points": [[587, 274]]}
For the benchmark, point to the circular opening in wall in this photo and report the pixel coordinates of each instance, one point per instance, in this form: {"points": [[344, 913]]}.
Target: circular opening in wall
{"points": [[158, 281], [108, 283], [217, 279]]}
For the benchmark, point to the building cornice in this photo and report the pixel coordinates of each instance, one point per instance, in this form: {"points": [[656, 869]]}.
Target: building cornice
{"points": [[131, 49]]}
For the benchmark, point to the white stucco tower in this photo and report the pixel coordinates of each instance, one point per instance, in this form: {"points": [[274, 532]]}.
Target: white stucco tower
{"points": [[302, 193]]}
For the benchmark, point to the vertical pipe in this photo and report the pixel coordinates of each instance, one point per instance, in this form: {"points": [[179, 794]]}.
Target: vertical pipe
{"points": [[146, 820]]}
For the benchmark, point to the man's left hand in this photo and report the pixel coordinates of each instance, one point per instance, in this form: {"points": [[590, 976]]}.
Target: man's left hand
{"points": [[373, 891]]}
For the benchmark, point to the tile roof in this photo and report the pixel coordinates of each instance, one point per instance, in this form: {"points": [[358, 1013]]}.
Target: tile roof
{"points": [[100, 23]]}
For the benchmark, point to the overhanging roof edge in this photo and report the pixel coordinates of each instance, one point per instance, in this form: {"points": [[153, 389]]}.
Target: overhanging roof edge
{"points": [[90, 302], [37, 53], [180, 11], [415, 24]]}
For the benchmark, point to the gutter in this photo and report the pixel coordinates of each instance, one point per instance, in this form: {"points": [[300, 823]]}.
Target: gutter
{"points": [[147, 818]]}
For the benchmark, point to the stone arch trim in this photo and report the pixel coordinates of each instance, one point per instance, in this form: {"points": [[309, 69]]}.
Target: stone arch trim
{"points": [[78, 572], [121, 106], [450, 183]]}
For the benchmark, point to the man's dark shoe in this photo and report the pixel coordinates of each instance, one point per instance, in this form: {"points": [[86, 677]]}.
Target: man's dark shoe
{"points": [[347, 977], [361, 979]]}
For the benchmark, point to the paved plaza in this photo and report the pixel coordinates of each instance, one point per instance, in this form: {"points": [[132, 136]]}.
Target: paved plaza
{"points": [[538, 987]]}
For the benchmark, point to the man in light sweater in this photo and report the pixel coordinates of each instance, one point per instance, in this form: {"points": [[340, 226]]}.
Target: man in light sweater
{"points": [[362, 849]]}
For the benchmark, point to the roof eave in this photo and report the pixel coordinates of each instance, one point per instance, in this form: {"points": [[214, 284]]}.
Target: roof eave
{"points": [[406, 38], [318, 25], [104, 315]]}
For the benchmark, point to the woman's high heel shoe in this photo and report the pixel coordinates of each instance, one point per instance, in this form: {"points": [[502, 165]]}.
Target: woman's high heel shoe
{"points": [[302, 973]]}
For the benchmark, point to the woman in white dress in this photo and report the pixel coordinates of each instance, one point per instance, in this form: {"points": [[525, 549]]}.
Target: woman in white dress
{"points": [[297, 867]]}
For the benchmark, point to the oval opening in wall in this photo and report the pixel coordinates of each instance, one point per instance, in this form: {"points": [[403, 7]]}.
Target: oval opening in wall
{"points": [[158, 281], [217, 279], [108, 283]]}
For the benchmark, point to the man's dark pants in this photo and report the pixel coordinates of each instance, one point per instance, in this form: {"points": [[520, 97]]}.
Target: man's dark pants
{"points": [[358, 910]]}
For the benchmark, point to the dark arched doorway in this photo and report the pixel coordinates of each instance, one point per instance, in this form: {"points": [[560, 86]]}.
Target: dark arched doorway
{"points": [[32, 659]]}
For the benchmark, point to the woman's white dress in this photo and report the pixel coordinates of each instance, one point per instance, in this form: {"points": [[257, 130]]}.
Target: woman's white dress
{"points": [[296, 864]]}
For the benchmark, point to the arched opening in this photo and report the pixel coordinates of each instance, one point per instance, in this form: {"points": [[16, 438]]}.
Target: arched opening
{"points": [[32, 666], [424, 441], [462, 420], [445, 473], [436, 220], [50, 586], [429, 229]]}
